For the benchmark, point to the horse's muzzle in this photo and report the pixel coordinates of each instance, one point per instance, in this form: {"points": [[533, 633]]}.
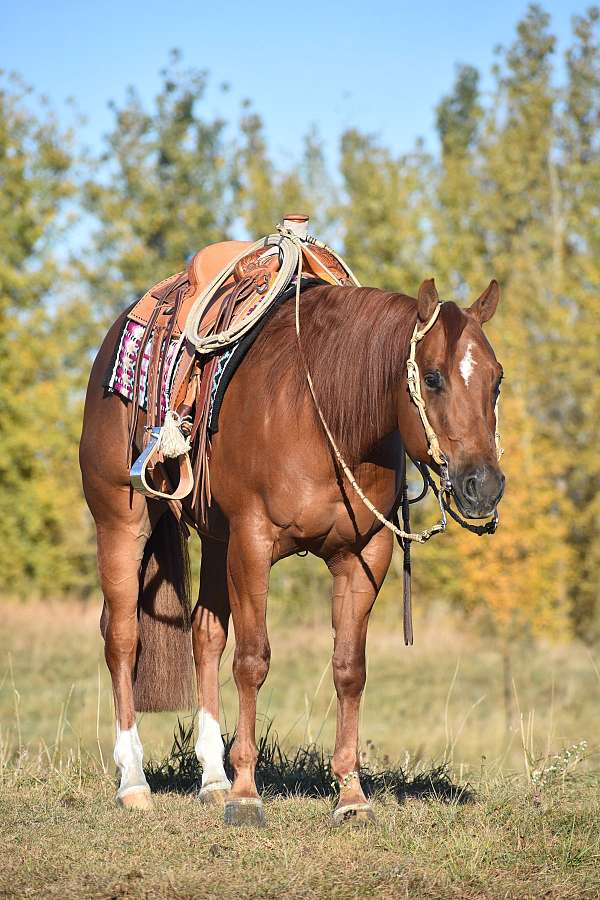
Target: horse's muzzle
{"points": [[478, 490]]}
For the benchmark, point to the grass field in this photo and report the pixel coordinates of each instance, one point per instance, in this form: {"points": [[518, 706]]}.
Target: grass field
{"points": [[510, 815], [62, 837]]}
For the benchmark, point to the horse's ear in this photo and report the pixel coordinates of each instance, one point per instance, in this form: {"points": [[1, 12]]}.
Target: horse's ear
{"points": [[485, 306], [427, 300]]}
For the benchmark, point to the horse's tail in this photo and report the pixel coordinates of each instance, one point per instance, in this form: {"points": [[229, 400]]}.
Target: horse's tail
{"points": [[164, 672]]}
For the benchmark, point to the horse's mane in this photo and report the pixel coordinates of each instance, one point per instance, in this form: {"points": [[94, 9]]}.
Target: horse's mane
{"points": [[355, 342]]}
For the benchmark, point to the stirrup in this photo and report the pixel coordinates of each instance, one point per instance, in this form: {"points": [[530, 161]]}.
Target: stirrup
{"points": [[137, 472]]}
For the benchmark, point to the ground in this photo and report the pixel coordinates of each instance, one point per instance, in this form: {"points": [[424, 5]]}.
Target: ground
{"points": [[63, 837], [476, 813]]}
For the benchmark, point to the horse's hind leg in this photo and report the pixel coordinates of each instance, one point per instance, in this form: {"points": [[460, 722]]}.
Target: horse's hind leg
{"points": [[121, 541], [357, 579], [210, 623]]}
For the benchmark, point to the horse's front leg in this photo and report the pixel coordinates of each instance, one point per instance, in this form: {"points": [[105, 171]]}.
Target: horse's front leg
{"points": [[357, 580], [249, 560]]}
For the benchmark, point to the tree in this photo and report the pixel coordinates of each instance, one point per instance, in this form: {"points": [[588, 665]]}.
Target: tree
{"points": [[459, 249], [163, 189], [266, 194], [44, 533], [578, 231], [382, 213]]}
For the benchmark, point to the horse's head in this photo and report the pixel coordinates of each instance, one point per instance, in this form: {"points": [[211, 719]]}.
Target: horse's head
{"points": [[460, 380]]}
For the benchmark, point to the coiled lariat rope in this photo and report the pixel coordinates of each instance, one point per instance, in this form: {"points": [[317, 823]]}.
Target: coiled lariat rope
{"points": [[290, 248]]}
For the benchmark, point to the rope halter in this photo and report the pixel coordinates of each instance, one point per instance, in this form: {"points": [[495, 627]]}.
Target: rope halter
{"points": [[416, 395], [414, 387]]}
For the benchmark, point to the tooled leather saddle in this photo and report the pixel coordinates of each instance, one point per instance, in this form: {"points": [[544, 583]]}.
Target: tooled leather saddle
{"points": [[184, 325]]}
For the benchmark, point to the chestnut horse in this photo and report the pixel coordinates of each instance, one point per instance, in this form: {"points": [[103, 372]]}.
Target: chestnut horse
{"points": [[276, 490]]}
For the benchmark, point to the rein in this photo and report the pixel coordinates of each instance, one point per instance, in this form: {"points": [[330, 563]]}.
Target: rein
{"points": [[403, 535], [442, 493]]}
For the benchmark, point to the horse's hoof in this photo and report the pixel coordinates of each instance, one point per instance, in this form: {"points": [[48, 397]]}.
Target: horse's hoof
{"points": [[245, 811], [214, 794], [136, 798], [353, 815]]}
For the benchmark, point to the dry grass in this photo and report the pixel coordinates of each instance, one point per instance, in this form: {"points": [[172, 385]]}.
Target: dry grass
{"points": [[63, 837], [463, 811], [438, 701]]}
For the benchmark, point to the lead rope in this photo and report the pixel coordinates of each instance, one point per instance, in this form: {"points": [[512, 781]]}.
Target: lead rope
{"points": [[419, 537], [406, 566], [403, 535]]}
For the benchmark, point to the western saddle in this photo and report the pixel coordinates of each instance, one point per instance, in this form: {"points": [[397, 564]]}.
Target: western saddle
{"points": [[225, 291]]}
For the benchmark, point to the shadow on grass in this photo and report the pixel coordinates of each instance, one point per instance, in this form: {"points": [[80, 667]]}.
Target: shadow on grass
{"points": [[306, 773]]}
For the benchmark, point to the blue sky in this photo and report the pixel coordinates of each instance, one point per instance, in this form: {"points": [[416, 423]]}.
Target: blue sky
{"points": [[378, 66]]}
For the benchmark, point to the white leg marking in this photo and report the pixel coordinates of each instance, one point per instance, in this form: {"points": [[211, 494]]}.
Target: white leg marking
{"points": [[467, 365], [211, 752], [129, 755]]}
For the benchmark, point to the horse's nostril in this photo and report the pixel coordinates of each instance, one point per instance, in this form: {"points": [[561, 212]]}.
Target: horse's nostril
{"points": [[470, 488], [501, 483]]}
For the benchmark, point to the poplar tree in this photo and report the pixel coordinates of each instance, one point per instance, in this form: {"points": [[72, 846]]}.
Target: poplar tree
{"points": [[577, 234], [44, 533], [266, 193], [526, 565], [384, 200], [163, 188]]}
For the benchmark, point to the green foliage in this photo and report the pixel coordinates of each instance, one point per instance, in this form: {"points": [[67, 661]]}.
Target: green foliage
{"points": [[457, 115], [266, 194], [382, 216], [577, 239], [494, 218], [164, 187], [44, 532], [514, 194]]}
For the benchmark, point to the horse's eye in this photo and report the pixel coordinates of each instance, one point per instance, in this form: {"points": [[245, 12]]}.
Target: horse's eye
{"points": [[433, 380]]}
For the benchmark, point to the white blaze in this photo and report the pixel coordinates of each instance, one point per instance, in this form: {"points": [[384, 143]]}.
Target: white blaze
{"points": [[129, 755], [210, 752], [467, 365]]}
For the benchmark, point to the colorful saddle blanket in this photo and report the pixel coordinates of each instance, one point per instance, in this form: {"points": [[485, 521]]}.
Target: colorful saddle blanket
{"points": [[120, 376]]}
